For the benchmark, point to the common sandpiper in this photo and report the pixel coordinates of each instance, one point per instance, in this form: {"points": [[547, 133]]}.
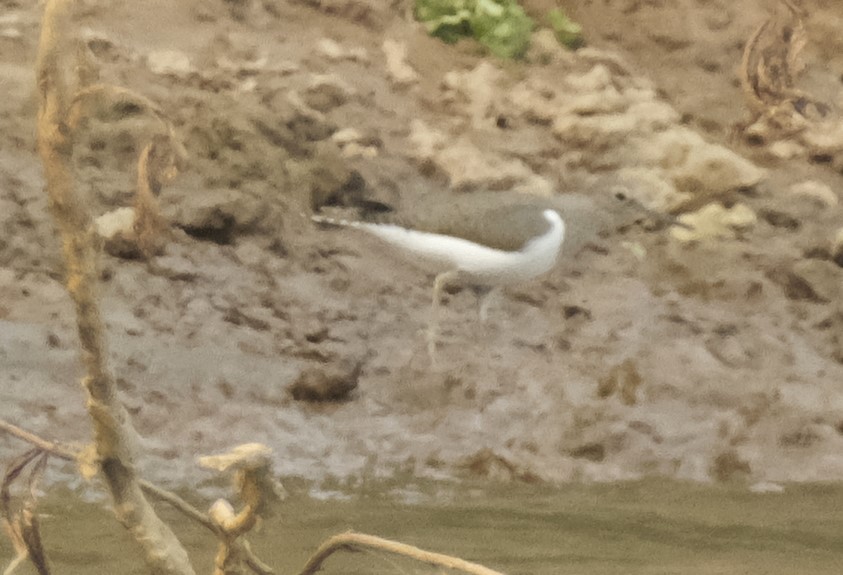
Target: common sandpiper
{"points": [[489, 239]]}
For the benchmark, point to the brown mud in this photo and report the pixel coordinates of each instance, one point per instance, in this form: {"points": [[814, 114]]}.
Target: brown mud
{"points": [[713, 359]]}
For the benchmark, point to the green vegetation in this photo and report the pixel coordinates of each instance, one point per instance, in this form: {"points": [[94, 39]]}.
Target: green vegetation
{"points": [[500, 25], [568, 32]]}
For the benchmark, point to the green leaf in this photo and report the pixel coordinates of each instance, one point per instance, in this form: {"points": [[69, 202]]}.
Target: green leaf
{"points": [[502, 26], [567, 32], [445, 19]]}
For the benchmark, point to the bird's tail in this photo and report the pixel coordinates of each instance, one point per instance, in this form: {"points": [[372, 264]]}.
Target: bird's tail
{"points": [[336, 222]]}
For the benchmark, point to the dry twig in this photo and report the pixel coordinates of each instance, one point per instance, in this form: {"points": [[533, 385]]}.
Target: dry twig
{"points": [[22, 527], [769, 67], [158, 163], [112, 428], [69, 453], [251, 466], [354, 541]]}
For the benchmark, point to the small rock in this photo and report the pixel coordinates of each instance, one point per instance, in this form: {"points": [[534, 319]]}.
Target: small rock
{"points": [[169, 62], [119, 221], [327, 383], [400, 72], [117, 229], [714, 221]]}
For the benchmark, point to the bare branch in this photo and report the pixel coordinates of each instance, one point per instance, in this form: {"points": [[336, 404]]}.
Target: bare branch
{"points": [[112, 429], [22, 526], [59, 450], [251, 467], [156, 166], [28, 520], [355, 541]]}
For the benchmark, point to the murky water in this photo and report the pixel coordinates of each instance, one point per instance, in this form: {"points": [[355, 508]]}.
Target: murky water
{"points": [[635, 528]]}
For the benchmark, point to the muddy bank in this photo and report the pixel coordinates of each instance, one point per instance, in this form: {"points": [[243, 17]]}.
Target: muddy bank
{"points": [[709, 357]]}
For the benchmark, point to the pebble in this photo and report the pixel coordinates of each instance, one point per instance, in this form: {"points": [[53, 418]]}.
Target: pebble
{"points": [[400, 72], [169, 62]]}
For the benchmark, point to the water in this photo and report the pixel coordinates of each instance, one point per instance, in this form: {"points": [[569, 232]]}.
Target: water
{"points": [[651, 527]]}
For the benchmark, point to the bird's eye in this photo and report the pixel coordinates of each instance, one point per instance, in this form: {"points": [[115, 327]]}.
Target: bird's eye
{"points": [[620, 196]]}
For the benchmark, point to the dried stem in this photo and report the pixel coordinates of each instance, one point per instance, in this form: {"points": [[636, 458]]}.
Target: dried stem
{"points": [[355, 541], [59, 450], [68, 453], [112, 429], [10, 523], [769, 67], [22, 526], [251, 466], [156, 165]]}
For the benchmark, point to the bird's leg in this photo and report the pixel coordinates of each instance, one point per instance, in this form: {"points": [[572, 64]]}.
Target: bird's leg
{"points": [[486, 295], [433, 327]]}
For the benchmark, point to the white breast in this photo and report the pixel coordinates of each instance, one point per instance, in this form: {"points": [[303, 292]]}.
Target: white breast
{"points": [[478, 262]]}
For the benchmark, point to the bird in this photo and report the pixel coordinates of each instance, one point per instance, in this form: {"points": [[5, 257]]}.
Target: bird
{"points": [[488, 240]]}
